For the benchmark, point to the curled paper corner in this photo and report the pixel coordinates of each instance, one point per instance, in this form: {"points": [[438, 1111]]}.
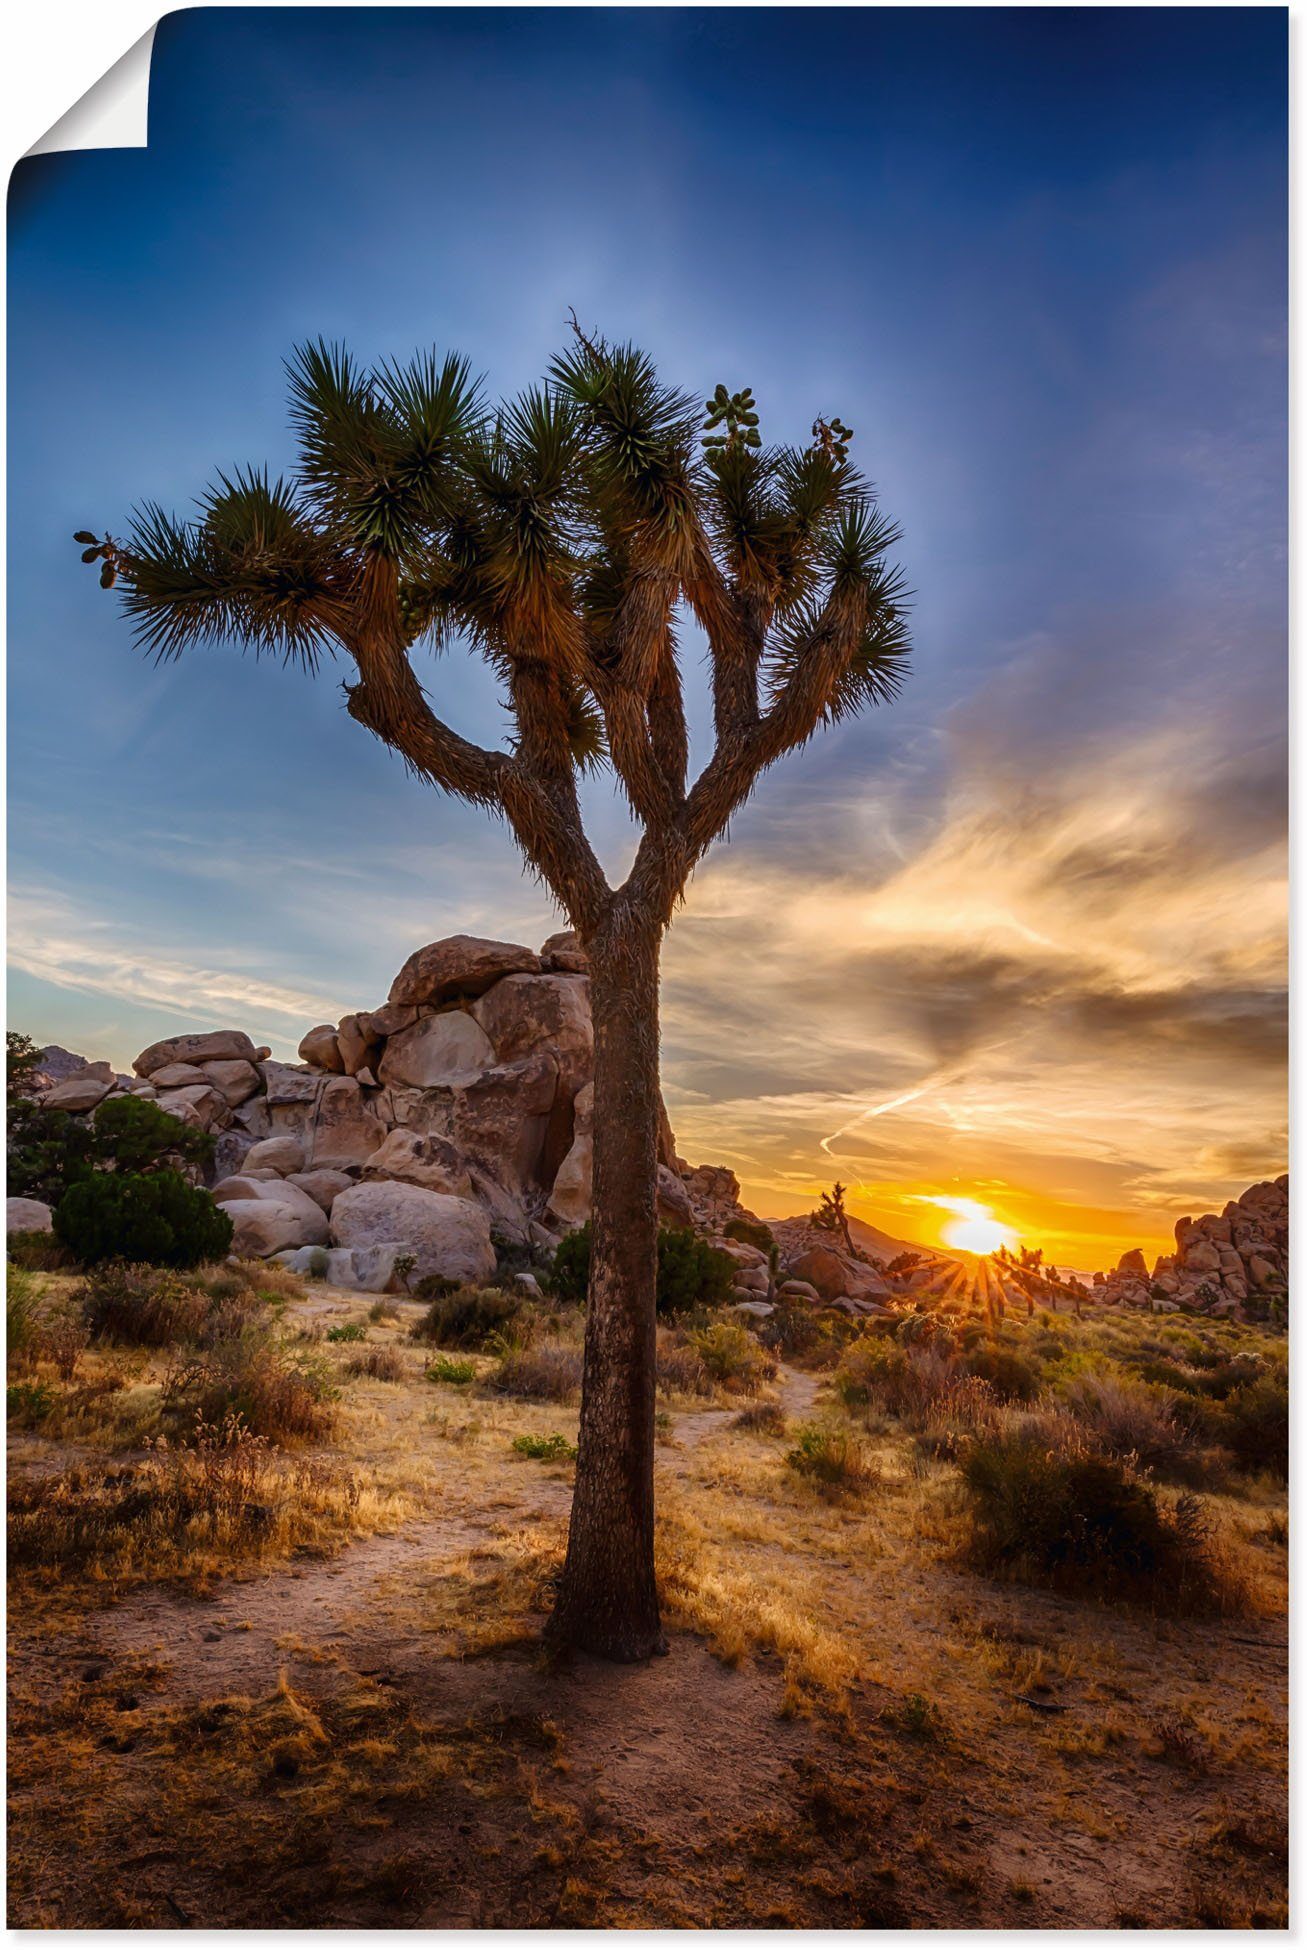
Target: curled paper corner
{"points": [[113, 114]]}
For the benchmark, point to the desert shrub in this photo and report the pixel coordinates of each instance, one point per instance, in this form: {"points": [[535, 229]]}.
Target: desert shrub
{"points": [[1131, 1418], [62, 1341], [1090, 1522], [51, 1152], [37, 1252], [679, 1368], [691, 1273], [792, 1328], [28, 1403], [762, 1418], [48, 1151], [732, 1356], [468, 1316], [1008, 1373], [251, 1377], [132, 1134], [383, 1310], [264, 1280], [544, 1372], [750, 1232], [835, 1460], [141, 1306], [1255, 1421], [22, 1312], [909, 1382], [457, 1373], [378, 1364], [349, 1330], [224, 1491], [545, 1448], [435, 1286], [155, 1217]]}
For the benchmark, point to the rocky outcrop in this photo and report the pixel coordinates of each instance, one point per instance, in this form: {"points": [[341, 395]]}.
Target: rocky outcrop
{"points": [[27, 1215], [1235, 1263], [448, 1237]]}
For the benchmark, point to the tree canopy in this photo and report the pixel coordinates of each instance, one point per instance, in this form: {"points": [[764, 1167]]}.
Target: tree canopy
{"points": [[562, 534]]}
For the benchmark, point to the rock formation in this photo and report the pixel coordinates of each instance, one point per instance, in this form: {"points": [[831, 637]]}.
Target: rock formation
{"points": [[454, 1121], [1234, 1264]]}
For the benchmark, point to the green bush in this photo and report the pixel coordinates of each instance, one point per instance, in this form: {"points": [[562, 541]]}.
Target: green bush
{"points": [[50, 1152], [1256, 1424], [457, 1373], [1008, 1373], [832, 1459], [157, 1218], [691, 1273], [732, 1356], [349, 1330], [468, 1316], [750, 1232], [29, 1402], [22, 1311], [1080, 1521], [545, 1448]]}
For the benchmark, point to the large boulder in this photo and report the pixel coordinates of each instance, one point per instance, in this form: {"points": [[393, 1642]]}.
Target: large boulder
{"points": [[836, 1277], [233, 1077], [525, 1013], [449, 1237], [1133, 1265], [282, 1153], [197, 1103], [502, 1120], [263, 1226], [448, 1048], [321, 1049], [207, 1047], [79, 1093], [571, 1196], [323, 1186], [28, 1215], [421, 1158], [357, 1044], [463, 964], [563, 954], [344, 1130], [178, 1076]]}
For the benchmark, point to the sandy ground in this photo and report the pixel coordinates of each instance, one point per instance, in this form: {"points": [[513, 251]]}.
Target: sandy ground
{"points": [[373, 1739]]}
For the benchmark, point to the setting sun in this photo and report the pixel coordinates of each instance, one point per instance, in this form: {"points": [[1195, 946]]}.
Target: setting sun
{"points": [[975, 1229], [977, 1235]]}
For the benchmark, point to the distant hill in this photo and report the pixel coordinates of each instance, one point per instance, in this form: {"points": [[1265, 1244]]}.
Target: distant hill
{"points": [[881, 1245], [885, 1246]]}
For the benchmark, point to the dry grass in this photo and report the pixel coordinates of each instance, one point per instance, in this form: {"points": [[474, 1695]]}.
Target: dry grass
{"points": [[223, 1501]]}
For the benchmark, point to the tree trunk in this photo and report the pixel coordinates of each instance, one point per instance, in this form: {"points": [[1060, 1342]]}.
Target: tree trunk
{"points": [[607, 1601]]}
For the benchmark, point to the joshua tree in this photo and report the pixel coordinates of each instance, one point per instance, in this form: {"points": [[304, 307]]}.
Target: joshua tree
{"points": [[566, 535], [831, 1216]]}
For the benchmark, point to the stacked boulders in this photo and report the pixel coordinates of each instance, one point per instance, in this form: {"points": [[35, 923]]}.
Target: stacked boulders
{"points": [[1235, 1265], [410, 1139]]}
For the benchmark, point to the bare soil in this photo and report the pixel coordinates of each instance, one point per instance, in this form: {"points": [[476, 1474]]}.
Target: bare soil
{"points": [[374, 1739]]}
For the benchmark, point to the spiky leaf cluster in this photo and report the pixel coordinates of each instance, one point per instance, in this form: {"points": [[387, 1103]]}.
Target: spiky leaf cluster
{"points": [[558, 535]]}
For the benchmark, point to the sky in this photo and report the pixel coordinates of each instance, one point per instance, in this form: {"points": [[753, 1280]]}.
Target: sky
{"points": [[1018, 939]]}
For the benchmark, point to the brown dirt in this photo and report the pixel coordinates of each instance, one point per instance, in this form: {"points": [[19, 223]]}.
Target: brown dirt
{"points": [[374, 1740]]}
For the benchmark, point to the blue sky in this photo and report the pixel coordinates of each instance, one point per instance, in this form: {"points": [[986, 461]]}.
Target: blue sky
{"points": [[1035, 259]]}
